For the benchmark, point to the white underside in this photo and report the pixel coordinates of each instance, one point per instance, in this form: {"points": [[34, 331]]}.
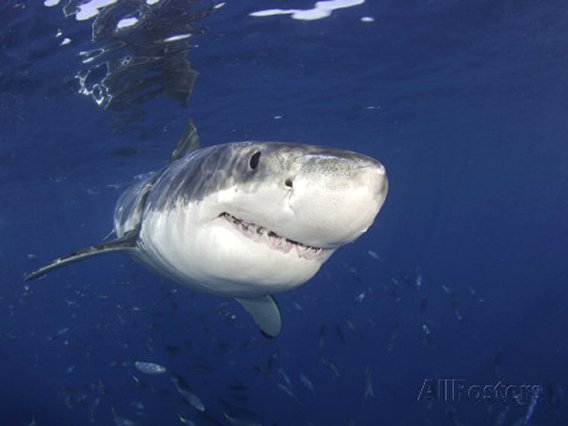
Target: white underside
{"points": [[215, 256]]}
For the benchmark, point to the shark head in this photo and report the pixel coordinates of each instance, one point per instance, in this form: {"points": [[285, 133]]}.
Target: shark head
{"points": [[315, 196], [253, 218]]}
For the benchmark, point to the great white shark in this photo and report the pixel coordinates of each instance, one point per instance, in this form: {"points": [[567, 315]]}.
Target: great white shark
{"points": [[245, 220]]}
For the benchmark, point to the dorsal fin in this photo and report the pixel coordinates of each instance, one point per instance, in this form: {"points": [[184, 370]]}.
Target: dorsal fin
{"points": [[126, 242], [188, 142]]}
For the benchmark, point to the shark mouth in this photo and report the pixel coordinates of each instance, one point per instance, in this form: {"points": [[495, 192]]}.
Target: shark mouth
{"points": [[272, 239]]}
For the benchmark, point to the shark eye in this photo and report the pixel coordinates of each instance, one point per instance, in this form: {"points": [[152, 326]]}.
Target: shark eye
{"points": [[253, 162]]}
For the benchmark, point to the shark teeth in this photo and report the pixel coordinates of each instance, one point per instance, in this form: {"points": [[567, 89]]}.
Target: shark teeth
{"points": [[272, 239]]}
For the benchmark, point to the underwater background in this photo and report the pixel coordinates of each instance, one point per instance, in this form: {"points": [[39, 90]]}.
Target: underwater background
{"points": [[450, 310]]}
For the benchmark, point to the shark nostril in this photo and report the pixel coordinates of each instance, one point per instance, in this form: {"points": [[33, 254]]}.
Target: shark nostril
{"points": [[288, 182]]}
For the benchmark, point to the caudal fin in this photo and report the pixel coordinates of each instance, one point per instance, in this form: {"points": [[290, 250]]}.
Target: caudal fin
{"points": [[126, 242]]}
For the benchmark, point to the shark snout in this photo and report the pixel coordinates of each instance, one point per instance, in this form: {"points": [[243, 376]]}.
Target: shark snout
{"points": [[377, 180], [337, 201]]}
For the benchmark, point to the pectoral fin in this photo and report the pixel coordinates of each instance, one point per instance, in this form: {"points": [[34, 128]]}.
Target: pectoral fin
{"points": [[127, 242], [265, 313]]}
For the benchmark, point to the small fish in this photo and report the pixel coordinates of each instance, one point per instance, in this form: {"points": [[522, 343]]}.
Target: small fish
{"points": [[457, 311], [287, 391], [121, 421], [369, 393], [93, 408], [82, 399], [68, 400], [307, 382], [240, 422], [354, 329], [454, 301], [532, 405], [4, 334], [193, 400], [297, 306], [339, 332], [227, 315], [355, 274], [179, 381], [138, 405], [419, 281], [394, 337], [149, 367], [373, 254], [183, 389], [453, 415], [234, 410], [360, 297], [502, 416], [285, 377], [184, 420], [474, 295], [321, 336], [271, 360], [101, 388], [426, 335], [331, 365]]}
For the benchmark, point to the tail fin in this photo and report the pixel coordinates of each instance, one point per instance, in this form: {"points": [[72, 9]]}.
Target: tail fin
{"points": [[126, 242]]}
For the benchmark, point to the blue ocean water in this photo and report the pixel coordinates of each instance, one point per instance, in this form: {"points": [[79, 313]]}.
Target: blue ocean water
{"points": [[460, 285]]}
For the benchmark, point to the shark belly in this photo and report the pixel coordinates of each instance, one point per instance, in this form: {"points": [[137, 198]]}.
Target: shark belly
{"points": [[210, 257]]}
